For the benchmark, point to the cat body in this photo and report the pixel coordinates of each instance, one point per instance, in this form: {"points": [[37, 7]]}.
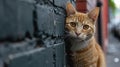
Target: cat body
{"points": [[81, 47]]}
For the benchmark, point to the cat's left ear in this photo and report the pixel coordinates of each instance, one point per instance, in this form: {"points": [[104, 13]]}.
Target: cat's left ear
{"points": [[70, 9], [94, 14]]}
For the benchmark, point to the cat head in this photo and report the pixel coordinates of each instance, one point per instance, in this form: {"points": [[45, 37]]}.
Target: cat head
{"points": [[80, 25]]}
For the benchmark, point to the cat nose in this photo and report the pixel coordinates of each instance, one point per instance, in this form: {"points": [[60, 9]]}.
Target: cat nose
{"points": [[77, 33]]}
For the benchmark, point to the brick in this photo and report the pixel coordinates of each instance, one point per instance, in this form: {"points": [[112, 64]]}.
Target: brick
{"points": [[7, 24], [59, 21], [60, 54], [43, 2], [8, 48], [39, 57], [51, 19], [1, 62], [45, 19], [16, 20], [61, 3], [26, 16], [1, 11]]}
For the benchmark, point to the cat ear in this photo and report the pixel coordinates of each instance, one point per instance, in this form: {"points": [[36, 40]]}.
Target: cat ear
{"points": [[70, 9], [94, 14]]}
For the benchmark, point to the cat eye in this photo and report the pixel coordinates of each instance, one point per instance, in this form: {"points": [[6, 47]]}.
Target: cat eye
{"points": [[86, 27], [73, 24]]}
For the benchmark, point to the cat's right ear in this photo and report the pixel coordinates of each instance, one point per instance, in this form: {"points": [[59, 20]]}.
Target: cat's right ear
{"points": [[70, 9], [93, 14]]}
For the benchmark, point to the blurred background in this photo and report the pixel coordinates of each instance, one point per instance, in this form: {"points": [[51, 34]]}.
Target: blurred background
{"points": [[113, 48], [31, 31]]}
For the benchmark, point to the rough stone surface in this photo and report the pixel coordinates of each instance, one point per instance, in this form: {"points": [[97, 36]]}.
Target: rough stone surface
{"points": [[59, 20], [40, 57], [1, 62], [8, 48], [31, 33], [60, 55], [16, 19], [60, 3], [52, 16], [45, 19]]}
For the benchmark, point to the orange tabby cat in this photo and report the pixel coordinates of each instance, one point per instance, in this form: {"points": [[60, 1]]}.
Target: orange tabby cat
{"points": [[81, 46]]}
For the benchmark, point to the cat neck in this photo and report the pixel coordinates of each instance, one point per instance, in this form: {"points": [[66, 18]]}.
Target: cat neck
{"points": [[79, 45]]}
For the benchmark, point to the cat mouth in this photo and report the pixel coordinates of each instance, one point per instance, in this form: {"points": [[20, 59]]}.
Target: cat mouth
{"points": [[74, 37], [79, 38]]}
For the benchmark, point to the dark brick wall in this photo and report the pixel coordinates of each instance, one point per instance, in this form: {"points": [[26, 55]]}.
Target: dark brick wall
{"points": [[31, 33], [53, 15], [16, 19]]}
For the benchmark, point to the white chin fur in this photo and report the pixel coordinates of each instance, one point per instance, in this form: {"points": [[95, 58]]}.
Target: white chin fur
{"points": [[82, 36]]}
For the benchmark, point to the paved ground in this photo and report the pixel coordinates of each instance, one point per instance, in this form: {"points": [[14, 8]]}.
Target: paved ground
{"points": [[113, 53]]}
